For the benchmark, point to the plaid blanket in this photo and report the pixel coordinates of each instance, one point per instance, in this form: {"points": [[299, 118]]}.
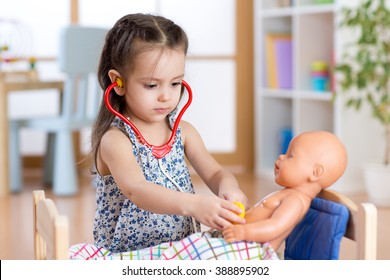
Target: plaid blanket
{"points": [[199, 246]]}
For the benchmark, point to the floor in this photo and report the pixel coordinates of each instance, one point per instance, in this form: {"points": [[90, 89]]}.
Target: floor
{"points": [[16, 234]]}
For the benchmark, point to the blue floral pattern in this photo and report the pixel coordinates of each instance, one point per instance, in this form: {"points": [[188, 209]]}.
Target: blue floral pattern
{"points": [[120, 225]]}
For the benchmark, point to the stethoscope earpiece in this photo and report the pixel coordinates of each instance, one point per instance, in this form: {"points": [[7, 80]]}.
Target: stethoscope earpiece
{"points": [[158, 151], [119, 82]]}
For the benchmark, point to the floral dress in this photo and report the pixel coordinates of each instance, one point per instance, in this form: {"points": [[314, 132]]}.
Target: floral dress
{"points": [[120, 225]]}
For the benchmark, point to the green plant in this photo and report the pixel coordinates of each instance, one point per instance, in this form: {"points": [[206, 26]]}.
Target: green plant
{"points": [[365, 65]]}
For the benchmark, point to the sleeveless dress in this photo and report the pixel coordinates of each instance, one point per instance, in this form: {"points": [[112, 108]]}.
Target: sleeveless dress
{"points": [[121, 226]]}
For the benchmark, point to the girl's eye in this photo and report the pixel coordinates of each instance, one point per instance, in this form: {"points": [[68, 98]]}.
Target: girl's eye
{"points": [[176, 84], [150, 86]]}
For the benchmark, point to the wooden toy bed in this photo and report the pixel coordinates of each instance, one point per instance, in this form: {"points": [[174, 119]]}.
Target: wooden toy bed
{"points": [[51, 230]]}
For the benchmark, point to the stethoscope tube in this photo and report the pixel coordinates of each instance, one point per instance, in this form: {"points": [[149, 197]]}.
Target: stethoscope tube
{"points": [[157, 151]]}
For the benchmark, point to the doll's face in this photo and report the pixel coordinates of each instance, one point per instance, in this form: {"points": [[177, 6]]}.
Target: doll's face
{"points": [[295, 167], [317, 155]]}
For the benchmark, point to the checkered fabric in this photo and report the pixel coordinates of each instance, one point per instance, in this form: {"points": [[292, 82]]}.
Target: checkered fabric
{"points": [[199, 246]]}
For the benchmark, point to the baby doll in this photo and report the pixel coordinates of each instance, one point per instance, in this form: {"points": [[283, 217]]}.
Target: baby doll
{"points": [[314, 161]]}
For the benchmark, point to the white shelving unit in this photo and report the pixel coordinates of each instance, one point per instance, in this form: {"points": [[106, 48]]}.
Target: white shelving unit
{"points": [[300, 108]]}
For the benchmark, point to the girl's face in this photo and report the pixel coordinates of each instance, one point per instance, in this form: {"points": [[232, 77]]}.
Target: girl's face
{"points": [[153, 88], [295, 167]]}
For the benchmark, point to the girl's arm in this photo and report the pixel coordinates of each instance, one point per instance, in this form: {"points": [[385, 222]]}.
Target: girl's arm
{"points": [[219, 180], [115, 157]]}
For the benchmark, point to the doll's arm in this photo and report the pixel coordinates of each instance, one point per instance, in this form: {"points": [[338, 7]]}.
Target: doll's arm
{"points": [[282, 221]]}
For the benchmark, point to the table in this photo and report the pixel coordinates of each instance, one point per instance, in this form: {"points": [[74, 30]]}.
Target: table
{"points": [[16, 81]]}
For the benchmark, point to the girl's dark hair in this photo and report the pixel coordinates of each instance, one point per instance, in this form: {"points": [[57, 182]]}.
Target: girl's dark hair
{"points": [[129, 36]]}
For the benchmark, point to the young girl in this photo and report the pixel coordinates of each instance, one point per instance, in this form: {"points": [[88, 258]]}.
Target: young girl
{"points": [[142, 200]]}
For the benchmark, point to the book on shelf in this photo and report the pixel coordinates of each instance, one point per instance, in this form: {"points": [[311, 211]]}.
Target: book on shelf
{"points": [[278, 58]]}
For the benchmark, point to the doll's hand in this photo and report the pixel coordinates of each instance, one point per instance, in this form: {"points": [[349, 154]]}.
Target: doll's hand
{"points": [[233, 233]]}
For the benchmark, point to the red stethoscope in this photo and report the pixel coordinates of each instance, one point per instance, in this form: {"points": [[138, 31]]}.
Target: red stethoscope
{"points": [[157, 151]]}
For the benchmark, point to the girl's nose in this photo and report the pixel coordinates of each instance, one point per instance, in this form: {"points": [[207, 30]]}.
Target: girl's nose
{"points": [[164, 95]]}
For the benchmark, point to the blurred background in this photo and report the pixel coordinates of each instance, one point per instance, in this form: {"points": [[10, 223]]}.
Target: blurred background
{"points": [[32, 30]]}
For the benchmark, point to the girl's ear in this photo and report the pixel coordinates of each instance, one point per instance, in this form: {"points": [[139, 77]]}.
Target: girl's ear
{"points": [[116, 77], [318, 171]]}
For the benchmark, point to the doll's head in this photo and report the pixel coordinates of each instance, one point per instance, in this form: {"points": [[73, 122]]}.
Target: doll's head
{"points": [[312, 157]]}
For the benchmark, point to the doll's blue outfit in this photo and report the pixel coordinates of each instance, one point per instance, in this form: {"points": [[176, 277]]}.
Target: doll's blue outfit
{"points": [[120, 225]]}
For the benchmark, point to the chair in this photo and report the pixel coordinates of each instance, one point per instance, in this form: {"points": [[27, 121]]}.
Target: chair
{"points": [[79, 54], [51, 230], [331, 217]]}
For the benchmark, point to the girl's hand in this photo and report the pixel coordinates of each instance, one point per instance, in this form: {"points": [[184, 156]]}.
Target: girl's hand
{"points": [[233, 194], [215, 212]]}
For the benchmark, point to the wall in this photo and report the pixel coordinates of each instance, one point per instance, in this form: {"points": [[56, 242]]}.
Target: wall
{"points": [[213, 81]]}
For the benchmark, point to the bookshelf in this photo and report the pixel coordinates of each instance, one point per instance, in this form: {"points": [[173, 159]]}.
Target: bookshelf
{"points": [[305, 104]]}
